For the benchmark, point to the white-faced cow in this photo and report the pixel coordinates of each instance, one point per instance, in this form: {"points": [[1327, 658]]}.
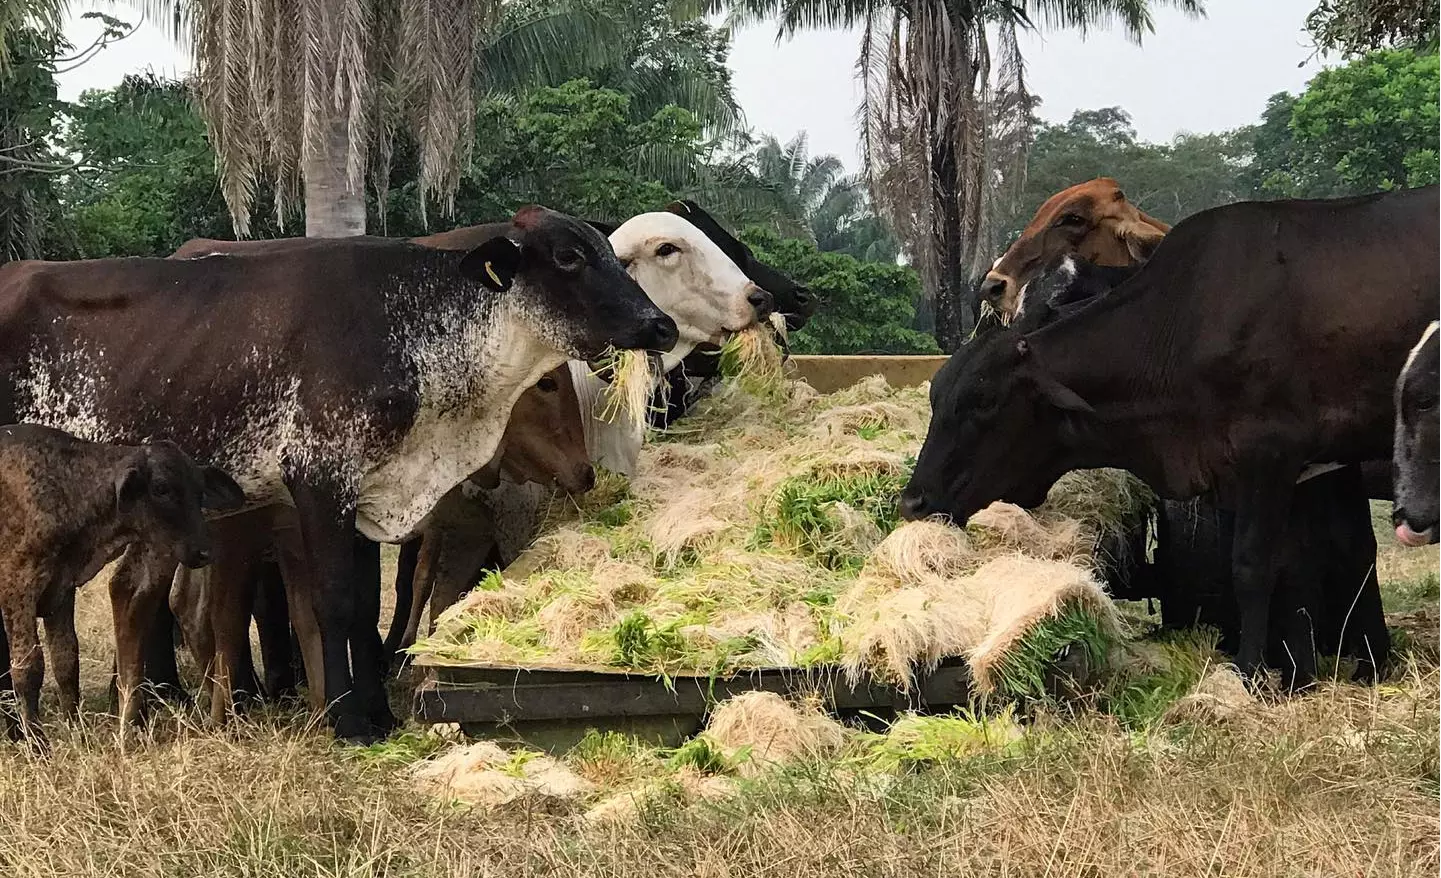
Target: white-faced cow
{"points": [[1415, 450], [359, 380], [1239, 355]]}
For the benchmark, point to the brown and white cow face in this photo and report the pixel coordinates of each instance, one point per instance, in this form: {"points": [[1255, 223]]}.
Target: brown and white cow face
{"points": [[690, 278], [1092, 220]]}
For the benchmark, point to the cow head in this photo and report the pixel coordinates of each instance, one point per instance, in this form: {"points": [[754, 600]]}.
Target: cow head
{"points": [[690, 278], [1414, 459], [793, 301], [1092, 220], [545, 440], [565, 281], [163, 492], [1000, 430]]}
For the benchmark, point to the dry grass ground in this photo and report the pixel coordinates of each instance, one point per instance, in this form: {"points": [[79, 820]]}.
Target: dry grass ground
{"points": [[1343, 781]]}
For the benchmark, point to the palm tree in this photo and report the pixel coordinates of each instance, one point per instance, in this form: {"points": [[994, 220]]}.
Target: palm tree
{"points": [[935, 126], [813, 191]]}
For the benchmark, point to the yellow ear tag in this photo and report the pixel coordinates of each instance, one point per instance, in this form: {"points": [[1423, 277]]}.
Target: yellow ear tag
{"points": [[493, 276]]}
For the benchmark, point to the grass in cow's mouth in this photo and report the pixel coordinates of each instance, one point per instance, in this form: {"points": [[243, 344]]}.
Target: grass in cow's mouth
{"points": [[753, 358], [632, 381]]}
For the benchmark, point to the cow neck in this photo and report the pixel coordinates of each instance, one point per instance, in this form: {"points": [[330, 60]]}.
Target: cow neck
{"points": [[470, 370], [1119, 354]]}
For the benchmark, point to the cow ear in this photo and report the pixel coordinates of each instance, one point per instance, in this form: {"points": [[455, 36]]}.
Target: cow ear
{"points": [[606, 229], [1059, 395], [131, 485], [222, 494], [1141, 239], [488, 476], [493, 264]]}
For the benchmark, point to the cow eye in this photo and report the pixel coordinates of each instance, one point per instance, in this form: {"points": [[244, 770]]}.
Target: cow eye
{"points": [[569, 259], [666, 249], [1070, 219], [547, 385], [161, 490]]}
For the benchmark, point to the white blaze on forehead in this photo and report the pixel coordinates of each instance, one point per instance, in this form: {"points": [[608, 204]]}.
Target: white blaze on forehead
{"points": [[700, 287]]}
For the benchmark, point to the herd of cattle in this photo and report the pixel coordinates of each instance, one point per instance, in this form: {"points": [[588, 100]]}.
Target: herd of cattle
{"points": [[435, 392]]}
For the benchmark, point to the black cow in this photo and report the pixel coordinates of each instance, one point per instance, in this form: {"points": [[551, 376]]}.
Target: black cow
{"points": [[1414, 455], [1335, 604], [361, 379], [1241, 353]]}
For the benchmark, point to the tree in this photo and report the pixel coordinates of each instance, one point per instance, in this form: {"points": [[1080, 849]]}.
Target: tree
{"points": [[931, 114], [813, 191], [866, 307], [1370, 125], [1353, 27], [148, 180], [30, 226]]}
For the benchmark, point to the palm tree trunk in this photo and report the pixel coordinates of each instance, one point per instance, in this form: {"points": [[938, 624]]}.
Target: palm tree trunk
{"points": [[332, 209], [952, 317]]}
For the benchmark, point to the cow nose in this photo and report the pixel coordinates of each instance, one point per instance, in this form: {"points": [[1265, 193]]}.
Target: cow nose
{"points": [[913, 506], [585, 479], [761, 301], [663, 333], [993, 289], [197, 558]]}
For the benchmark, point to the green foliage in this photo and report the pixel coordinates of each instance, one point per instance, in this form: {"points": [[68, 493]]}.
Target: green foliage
{"points": [[149, 182], [702, 755], [1352, 27], [866, 307], [30, 222], [1369, 125]]}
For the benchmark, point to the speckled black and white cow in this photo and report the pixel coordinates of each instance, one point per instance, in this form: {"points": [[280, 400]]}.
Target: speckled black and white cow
{"points": [[359, 379]]}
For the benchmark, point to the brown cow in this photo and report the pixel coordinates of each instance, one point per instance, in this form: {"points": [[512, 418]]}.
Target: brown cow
{"points": [[71, 507], [1092, 220]]}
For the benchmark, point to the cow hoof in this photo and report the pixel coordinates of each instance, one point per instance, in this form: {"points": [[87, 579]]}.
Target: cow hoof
{"points": [[383, 720], [356, 730]]}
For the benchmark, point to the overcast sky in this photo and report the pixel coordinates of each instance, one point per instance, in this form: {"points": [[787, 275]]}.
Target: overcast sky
{"points": [[1195, 75]]}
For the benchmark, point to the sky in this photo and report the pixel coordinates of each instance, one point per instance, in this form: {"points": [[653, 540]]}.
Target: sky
{"points": [[1191, 75]]}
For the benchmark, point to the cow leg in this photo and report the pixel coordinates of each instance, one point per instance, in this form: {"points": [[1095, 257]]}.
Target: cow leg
{"points": [[1353, 593], [9, 719], [141, 580], [27, 662], [427, 565], [400, 627], [367, 651], [327, 524], [300, 600], [461, 561], [1263, 503], [63, 645], [272, 622], [189, 605], [162, 672]]}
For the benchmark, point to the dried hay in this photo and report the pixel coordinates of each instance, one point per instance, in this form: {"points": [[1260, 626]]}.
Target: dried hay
{"points": [[766, 730], [762, 532], [1220, 696], [485, 775]]}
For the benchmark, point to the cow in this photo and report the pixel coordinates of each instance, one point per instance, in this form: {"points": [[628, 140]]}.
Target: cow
{"points": [[71, 507], [1239, 355], [1335, 598], [357, 379], [1414, 452], [1092, 220]]}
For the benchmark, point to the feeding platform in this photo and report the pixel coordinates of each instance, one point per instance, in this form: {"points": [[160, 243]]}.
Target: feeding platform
{"points": [[553, 706]]}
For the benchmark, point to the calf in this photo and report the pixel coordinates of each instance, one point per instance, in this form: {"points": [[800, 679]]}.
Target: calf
{"points": [[1236, 358], [71, 507], [1414, 455]]}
